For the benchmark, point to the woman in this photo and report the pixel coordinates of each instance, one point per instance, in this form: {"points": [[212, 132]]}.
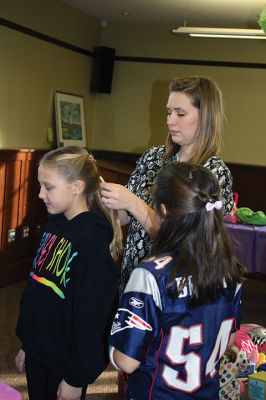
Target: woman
{"points": [[194, 118]]}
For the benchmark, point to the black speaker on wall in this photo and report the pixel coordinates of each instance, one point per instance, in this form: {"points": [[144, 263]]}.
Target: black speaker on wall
{"points": [[102, 70]]}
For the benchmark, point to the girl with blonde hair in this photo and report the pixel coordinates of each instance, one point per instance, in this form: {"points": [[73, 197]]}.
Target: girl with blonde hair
{"points": [[72, 287]]}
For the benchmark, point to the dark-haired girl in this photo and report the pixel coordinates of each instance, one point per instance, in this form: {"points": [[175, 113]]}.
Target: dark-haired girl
{"points": [[181, 305]]}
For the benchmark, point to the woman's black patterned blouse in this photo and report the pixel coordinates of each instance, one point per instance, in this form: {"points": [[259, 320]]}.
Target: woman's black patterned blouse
{"points": [[147, 168]]}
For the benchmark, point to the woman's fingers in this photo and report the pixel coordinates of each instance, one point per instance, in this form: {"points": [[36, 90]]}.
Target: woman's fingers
{"points": [[115, 196]]}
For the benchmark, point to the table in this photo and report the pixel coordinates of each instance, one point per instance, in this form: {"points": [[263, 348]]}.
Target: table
{"points": [[249, 243]]}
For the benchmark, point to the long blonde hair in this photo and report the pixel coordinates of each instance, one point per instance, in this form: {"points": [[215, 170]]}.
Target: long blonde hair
{"points": [[206, 96], [74, 162]]}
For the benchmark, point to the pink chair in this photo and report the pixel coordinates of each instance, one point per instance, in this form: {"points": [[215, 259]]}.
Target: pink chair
{"points": [[8, 393]]}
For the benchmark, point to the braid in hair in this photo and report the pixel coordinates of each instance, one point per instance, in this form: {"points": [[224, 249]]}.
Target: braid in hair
{"points": [[196, 237]]}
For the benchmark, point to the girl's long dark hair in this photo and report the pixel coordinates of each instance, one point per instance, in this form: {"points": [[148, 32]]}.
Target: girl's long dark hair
{"points": [[197, 239]]}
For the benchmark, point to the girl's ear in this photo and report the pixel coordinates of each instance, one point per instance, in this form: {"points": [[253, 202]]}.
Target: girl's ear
{"points": [[163, 209], [78, 186], [160, 218]]}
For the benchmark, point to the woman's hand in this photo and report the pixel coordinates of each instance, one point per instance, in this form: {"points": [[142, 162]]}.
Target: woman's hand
{"points": [[20, 361], [67, 392], [116, 196]]}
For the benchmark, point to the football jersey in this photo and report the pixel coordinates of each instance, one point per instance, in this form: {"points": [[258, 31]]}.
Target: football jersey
{"points": [[179, 345]]}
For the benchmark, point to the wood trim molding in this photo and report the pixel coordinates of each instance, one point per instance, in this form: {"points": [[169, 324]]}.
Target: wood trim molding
{"points": [[42, 36]]}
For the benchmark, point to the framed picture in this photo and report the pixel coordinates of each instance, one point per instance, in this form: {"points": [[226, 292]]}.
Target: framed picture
{"points": [[70, 119]]}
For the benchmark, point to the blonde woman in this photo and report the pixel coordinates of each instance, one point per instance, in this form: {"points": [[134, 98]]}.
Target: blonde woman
{"points": [[194, 119]]}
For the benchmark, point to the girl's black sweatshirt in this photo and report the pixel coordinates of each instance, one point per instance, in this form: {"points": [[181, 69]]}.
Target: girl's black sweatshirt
{"points": [[68, 304]]}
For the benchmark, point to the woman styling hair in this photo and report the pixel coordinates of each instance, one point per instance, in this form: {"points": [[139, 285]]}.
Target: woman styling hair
{"points": [[194, 119]]}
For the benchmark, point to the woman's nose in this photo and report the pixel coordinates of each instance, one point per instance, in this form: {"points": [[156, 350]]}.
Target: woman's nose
{"points": [[171, 118]]}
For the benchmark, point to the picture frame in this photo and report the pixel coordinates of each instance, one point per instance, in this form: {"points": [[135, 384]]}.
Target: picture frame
{"points": [[70, 119]]}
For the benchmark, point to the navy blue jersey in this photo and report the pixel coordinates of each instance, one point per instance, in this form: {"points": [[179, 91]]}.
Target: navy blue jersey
{"points": [[179, 346]]}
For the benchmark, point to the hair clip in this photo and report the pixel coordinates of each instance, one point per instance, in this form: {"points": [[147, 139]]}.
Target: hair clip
{"points": [[217, 205]]}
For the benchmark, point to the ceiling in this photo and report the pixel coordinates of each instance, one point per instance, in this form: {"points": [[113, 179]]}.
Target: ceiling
{"points": [[211, 13]]}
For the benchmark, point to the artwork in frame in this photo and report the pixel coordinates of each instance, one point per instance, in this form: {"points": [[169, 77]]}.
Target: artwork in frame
{"points": [[70, 119]]}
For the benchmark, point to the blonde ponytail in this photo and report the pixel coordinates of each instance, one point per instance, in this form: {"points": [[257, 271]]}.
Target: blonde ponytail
{"points": [[116, 246]]}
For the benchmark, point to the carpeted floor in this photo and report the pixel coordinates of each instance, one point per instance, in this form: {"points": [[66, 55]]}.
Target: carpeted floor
{"points": [[106, 387]]}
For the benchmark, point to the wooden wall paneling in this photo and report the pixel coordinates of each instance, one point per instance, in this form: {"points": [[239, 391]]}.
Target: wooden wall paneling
{"points": [[20, 208], [2, 196], [39, 216], [26, 208], [10, 257], [11, 201], [24, 191], [20, 205], [250, 183], [33, 213], [248, 180], [113, 176], [116, 172]]}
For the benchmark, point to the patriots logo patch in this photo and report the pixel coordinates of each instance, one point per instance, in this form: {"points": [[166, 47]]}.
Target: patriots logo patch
{"points": [[136, 302], [125, 319]]}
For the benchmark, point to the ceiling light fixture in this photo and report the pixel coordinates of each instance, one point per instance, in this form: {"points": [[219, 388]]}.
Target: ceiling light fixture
{"points": [[187, 31]]}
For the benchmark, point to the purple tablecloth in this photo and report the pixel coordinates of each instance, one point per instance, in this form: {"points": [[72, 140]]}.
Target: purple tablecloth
{"points": [[249, 245]]}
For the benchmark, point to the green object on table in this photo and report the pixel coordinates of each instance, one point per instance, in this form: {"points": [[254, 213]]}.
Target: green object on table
{"points": [[262, 19], [248, 216]]}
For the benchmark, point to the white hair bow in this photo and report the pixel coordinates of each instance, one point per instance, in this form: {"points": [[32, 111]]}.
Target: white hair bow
{"points": [[217, 205]]}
